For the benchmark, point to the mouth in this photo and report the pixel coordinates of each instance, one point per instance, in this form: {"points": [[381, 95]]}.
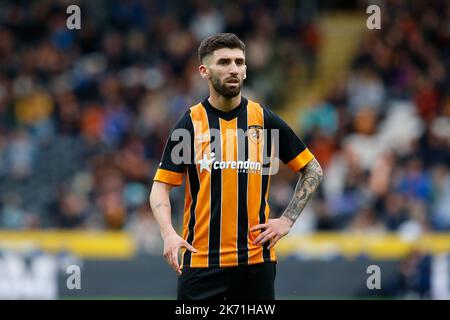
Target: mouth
{"points": [[233, 81]]}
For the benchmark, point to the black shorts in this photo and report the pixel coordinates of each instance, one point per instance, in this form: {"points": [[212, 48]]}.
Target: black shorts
{"points": [[256, 281]]}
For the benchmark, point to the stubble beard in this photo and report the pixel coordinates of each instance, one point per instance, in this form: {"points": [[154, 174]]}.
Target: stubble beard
{"points": [[223, 90]]}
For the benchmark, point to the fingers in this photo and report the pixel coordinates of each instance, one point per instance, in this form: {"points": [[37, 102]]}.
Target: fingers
{"points": [[261, 236], [172, 256], [172, 260], [167, 257], [259, 227], [186, 245], [273, 241], [266, 238], [175, 264], [189, 247]]}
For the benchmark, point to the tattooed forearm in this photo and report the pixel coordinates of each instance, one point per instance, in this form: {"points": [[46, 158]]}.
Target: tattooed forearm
{"points": [[311, 176]]}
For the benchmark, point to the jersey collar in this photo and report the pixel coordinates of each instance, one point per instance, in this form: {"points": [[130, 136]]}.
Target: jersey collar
{"points": [[226, 115]]}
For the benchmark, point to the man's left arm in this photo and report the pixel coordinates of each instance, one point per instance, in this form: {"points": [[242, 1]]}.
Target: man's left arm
{"points": [[310, 177]]}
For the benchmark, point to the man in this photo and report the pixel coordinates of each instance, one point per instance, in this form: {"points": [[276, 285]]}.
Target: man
{"points": [[228, 240]]}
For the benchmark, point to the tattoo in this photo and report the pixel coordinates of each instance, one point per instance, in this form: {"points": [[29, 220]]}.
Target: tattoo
{"points": [[311, 176], [161, 205]]}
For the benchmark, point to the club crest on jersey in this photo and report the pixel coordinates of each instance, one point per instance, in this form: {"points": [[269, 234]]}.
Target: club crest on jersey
{"points": [[255, 133]]}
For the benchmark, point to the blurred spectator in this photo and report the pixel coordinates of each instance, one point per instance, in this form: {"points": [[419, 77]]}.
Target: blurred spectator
{"points": [[365, 89], [322, 116], [71, 211], [414, 182], [145, 230], [418, 222], [68, 113], [441, 195], [394, 211], [207, 21], [366, 222], [413, 278], [12, 216], [20, 155], [34, 110]]}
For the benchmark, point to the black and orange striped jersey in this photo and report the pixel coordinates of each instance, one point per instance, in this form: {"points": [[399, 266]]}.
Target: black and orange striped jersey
{"points": [[227, 184]]}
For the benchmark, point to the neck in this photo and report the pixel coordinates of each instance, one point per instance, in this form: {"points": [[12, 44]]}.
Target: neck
{"points": [[223, 103]]}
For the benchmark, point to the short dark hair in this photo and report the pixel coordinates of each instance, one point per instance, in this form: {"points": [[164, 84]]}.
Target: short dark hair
{"points": [[219, 41]]}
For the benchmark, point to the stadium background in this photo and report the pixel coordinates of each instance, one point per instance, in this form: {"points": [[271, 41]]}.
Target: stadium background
{"points": [[84, 115]]}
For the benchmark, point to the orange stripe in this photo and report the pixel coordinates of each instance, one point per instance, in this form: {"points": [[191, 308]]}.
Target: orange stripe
{"points": [[202, 210], [254, 117], [300, 160], [228, 243], [170, 177], [187, 214]]}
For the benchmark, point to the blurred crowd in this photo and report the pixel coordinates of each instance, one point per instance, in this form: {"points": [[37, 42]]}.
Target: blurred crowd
{"points": [[382, 133], [84, 114]]}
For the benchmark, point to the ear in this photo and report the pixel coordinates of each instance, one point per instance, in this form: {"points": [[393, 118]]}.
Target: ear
{"points": [[204, 73]]}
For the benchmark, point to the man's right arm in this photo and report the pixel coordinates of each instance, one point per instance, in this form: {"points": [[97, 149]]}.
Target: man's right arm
{"points": [[160, 204]]}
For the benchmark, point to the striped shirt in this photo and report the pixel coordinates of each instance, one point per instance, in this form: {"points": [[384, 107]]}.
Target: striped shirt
{"points": [[231, 158]]}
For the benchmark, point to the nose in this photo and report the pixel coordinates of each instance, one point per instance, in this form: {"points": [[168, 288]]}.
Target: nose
{"points": [[234, 69]]}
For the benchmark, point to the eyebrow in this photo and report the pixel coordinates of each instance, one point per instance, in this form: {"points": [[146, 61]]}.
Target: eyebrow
{"points": [[228, 59]]}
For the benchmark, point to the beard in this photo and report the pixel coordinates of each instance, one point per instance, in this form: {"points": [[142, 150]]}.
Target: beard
{"points": [[225, 91]]}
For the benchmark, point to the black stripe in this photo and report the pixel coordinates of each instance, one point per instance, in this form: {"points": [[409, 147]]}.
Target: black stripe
{"points": [[216, 193], [242, 236], [194, 185], [264, 185]]}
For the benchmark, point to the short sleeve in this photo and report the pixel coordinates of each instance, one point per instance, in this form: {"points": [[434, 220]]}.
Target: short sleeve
{"points": [[292, 151], [171, 169]]}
